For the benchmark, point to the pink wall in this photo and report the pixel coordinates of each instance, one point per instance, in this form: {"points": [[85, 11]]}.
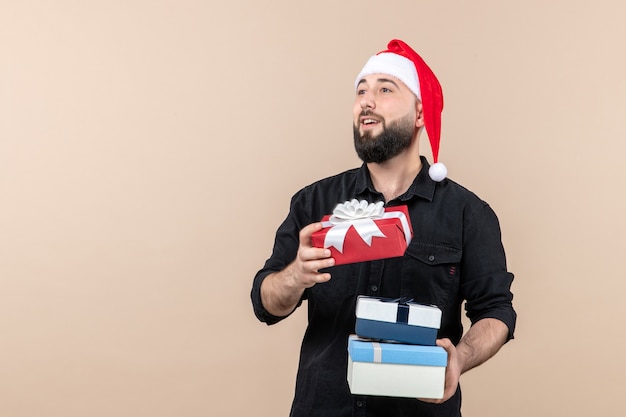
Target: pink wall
{"points": [[148, 151]]}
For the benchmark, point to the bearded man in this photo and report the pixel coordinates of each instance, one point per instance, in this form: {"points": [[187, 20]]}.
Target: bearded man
{"points": [[455, 256]]}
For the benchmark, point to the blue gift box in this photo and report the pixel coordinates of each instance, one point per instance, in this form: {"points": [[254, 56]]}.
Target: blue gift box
{"points": [[395, 370], [397, 320]]}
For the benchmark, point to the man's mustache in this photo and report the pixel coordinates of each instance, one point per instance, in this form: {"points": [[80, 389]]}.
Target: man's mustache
{"points": [[368, 112]]}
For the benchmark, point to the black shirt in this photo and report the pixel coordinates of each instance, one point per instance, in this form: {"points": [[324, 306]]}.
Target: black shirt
{"points": [[456, 254]]}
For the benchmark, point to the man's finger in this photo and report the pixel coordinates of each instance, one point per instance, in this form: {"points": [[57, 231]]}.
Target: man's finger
{"points": [[445, 343], [307, 231], [312, 254]]}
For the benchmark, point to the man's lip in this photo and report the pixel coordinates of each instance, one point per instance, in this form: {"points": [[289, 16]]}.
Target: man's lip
{"points": [[364, 118]]}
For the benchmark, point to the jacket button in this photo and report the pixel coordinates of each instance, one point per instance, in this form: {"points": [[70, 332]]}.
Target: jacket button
{"points": [[431, 258]]}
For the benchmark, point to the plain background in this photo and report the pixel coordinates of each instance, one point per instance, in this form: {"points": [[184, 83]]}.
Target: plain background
{"points": [[149, 149]]}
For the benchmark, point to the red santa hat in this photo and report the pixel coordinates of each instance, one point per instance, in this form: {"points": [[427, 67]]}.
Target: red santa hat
{"points": [[401, 61]]}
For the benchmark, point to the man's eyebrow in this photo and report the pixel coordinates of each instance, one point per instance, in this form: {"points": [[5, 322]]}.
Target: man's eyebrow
{"points": [[387, 80], [380, 80]]}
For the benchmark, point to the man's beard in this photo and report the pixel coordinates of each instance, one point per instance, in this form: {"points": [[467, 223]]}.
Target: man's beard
{"points": [[395, 138]]}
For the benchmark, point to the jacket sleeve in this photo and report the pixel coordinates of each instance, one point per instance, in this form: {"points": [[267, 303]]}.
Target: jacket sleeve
{"points": [[286, 245], [486, 283]]}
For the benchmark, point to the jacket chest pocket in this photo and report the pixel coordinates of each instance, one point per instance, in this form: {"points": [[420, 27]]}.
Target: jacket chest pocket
{"points": [[431, 273]]}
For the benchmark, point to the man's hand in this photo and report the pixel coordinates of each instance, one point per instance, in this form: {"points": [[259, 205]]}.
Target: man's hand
{"points": [[281, 291], [304, 270], [453, 372], [482, 341]]}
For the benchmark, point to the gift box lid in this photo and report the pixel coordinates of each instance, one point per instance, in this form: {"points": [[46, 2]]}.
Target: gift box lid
{"points": [[364, 350], [394, 311]]}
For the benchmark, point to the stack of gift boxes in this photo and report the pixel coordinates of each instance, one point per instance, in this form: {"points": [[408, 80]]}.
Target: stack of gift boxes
{"points": [[393, 352]]}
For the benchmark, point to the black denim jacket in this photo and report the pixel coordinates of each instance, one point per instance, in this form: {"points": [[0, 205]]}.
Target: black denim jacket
{"points": [[455, 255]]}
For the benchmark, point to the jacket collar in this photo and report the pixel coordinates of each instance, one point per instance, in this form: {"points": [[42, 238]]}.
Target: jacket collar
{"points": [[423, 186]]}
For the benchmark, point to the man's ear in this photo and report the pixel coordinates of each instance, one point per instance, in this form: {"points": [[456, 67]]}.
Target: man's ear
{"points": [[419, 115]]}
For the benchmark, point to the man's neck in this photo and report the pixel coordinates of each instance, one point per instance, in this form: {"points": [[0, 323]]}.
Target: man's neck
{"points": [[393, 178]]}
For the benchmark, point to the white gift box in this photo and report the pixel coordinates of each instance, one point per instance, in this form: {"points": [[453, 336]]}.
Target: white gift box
{"points": [[396, 370], [388, 319]]}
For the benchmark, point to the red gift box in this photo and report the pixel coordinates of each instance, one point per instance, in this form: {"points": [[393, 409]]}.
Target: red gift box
{"points": [[366, 239]]}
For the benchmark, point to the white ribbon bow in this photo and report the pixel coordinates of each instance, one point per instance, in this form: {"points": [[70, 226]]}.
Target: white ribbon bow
{"points": [[357, 214]]}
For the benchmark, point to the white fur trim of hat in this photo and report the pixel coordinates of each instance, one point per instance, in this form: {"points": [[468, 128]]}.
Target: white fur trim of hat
{"points": [[395, 65]]}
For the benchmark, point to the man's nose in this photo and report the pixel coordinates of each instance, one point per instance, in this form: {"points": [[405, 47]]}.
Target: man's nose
{"points": [[367, 102]]}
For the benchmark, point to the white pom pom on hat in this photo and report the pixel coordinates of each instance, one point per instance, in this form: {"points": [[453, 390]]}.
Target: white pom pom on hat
{"points": [[402, 62], [438, 171]]}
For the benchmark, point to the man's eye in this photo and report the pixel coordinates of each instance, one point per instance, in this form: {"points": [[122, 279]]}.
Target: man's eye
{"points": [[385, 90], [360, 92]]}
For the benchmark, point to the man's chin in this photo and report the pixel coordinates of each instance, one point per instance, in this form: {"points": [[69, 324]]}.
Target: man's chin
{"points": [[368, 134]]}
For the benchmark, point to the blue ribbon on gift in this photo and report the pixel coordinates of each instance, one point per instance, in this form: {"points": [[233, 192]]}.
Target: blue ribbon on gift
{"points": [[402, 316]]}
